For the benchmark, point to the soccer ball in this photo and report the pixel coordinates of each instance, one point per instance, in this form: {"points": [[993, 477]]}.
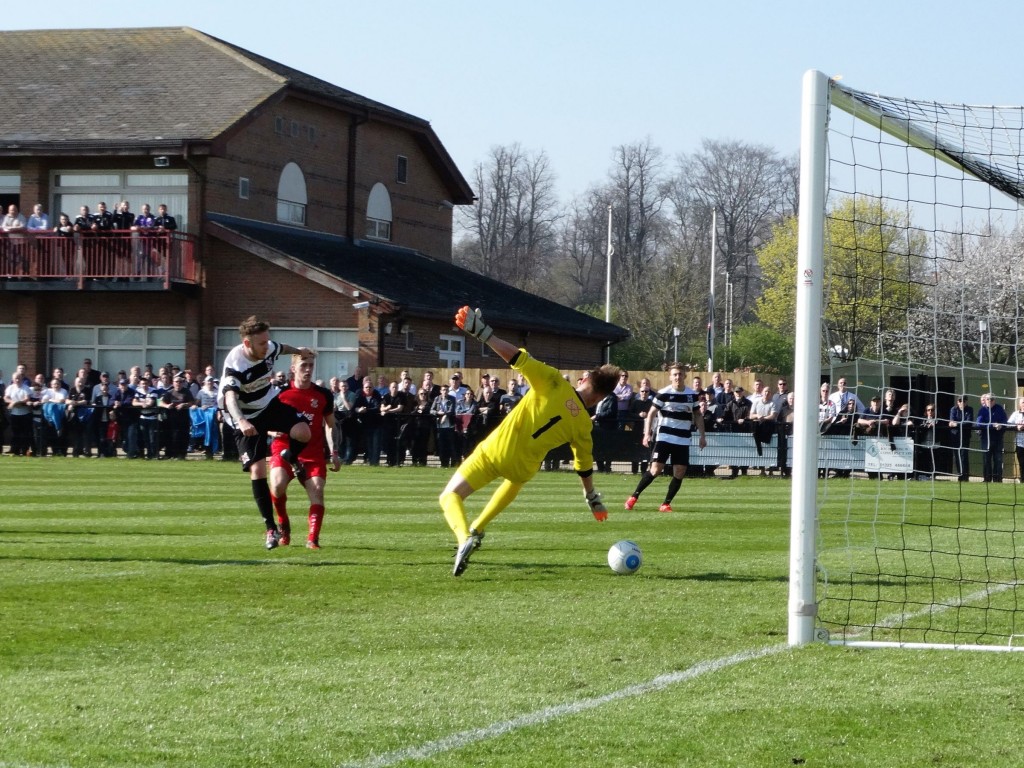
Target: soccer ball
{"points": [[625, 557]]}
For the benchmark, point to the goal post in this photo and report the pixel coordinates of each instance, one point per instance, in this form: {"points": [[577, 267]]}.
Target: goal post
{"points": [[905, 530], [807, 365]]}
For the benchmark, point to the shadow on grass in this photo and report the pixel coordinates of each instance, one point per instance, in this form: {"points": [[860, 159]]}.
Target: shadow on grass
{"points": [[721, 576], [67, 532], [270, 560]]}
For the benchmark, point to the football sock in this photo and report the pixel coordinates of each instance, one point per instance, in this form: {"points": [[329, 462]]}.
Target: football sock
{"points": [[261, 492], [502, 497], [316, 519], [281, 507], [455, 514], [673, 488], [646, 479]]}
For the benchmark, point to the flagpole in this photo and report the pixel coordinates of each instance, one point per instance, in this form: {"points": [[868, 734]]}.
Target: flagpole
{"points": [[711, 300], [608, 276]]}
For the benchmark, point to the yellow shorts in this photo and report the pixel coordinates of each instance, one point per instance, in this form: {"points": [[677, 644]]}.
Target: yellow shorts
{"points": [[478, 470]]}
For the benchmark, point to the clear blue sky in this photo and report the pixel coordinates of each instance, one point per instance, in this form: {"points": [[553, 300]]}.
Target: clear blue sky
{"points": [[578, 77]]}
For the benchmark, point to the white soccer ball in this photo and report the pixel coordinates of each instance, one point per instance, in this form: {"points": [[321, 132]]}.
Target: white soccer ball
{"points": [[625, 557]]}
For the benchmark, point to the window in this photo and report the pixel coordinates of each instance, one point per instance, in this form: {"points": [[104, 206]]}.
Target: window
{"points": [[295, 129], [8, 351], [378, 230], [402, 170], [74, 189], [337, 349], [291, 196], [112, 348], [378, 213], [279, 125], [451, 352], [92, 180], [243, 188]]}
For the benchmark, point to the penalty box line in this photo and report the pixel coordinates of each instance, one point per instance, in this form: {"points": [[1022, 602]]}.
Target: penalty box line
{"points": [[465, 738]]}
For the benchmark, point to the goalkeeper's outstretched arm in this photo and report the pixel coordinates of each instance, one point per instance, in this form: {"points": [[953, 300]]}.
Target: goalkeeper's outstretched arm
{"points": [[472, 322]]}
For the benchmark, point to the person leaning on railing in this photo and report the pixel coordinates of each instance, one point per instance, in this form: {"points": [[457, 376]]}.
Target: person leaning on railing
{"points": [[142, 229], [13, 226]]}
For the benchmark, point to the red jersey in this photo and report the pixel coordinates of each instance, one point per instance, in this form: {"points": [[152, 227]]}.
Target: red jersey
{"points": [[314, 404]]}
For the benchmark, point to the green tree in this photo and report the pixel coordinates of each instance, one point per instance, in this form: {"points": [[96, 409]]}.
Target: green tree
{"points": [[759, 347], [873, 263]]}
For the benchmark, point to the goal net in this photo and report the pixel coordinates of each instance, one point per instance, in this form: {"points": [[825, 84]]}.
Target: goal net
{"points": [[907, 528]]}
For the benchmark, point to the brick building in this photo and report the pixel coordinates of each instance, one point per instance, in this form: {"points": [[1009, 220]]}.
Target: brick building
{"points": [[324, 212]]}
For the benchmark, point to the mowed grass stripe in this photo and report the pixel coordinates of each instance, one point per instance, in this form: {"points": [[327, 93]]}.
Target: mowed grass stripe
{"points": [[169, 636]]}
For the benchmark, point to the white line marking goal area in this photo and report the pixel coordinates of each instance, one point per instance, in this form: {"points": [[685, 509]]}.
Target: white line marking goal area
{"points": [[541, 716]]}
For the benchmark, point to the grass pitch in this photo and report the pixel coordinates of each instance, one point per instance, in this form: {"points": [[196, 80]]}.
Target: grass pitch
{"points": [[143, 624]]}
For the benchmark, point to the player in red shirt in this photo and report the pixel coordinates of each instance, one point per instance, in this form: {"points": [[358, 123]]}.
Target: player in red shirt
{"points": [[316, 404]]}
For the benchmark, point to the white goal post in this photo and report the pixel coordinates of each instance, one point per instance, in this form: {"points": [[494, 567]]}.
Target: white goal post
{"points": [[909, 287]]}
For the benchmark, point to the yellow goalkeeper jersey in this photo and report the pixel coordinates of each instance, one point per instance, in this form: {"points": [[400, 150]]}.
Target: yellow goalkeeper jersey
{"points": [[550, 414]]}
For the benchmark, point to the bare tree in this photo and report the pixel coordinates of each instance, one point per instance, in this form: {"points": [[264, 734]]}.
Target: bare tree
{"points": [[579, 271], [510, 232], [636, 190], [751, 188]]}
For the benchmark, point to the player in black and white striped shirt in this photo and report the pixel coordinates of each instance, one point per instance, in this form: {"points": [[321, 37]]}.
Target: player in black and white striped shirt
{"points": [[248, 397], [675, 406]]}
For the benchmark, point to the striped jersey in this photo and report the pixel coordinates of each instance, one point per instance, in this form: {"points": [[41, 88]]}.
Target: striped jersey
{"points": [[253, 381], [675, 414]]}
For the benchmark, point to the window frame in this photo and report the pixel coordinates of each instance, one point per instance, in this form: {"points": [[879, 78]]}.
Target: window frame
{"points": [[451, 352]]}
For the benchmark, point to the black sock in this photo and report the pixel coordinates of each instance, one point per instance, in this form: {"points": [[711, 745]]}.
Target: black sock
{"points": [[673, 488], [295, 446], [646, 479], [261, 492]]}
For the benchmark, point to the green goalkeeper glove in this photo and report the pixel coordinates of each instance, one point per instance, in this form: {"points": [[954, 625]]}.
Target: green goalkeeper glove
{"points": [[597, 506], [472, 322]]}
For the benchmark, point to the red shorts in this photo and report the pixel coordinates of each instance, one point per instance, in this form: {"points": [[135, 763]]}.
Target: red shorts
{"points": [[313, 467]]}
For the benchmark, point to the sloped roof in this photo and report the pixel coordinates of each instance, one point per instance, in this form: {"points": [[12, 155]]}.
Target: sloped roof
{"points": [[419, 285], [124, 85], [144, 84], [119, 90], [314, 85]]}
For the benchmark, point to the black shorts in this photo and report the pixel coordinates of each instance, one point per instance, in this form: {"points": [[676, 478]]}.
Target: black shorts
{"points": [[664, 452], [276, 417]]}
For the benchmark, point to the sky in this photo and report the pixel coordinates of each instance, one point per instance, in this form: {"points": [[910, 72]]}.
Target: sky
{"points": [[577, 78]]}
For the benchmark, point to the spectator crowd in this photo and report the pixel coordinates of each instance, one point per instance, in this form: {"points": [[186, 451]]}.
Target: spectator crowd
{"points": [[171, 413], [100, 242]]}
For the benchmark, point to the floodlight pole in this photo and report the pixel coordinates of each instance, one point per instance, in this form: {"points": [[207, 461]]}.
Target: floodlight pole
{"points": [[608, 284], [711, 302]]}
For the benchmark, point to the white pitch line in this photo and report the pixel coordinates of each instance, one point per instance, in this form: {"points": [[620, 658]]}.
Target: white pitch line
{"points": [[465, 738]]}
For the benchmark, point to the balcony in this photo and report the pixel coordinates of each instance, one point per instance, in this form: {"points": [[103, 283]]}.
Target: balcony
{"points": [[131, 261]]}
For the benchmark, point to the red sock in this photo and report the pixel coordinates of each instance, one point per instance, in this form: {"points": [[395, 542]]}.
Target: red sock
{"points": [[281, 507], [316, 519]]}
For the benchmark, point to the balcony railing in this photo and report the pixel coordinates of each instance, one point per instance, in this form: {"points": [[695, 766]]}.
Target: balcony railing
{"points": [[163, 258]]}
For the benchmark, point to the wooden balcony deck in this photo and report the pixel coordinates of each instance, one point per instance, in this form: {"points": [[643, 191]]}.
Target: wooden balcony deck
{"points": [[35, 261]]}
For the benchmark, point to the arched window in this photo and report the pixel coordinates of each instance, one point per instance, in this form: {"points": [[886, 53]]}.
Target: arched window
{"points": [[378, 213], [291, 196]]}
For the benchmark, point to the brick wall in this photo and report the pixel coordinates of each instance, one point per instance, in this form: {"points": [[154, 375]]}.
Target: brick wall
{"points": [[259, 153]]}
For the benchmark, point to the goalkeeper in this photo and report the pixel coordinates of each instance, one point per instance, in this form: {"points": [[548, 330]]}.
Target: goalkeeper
{"points": [[551, 413]]}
